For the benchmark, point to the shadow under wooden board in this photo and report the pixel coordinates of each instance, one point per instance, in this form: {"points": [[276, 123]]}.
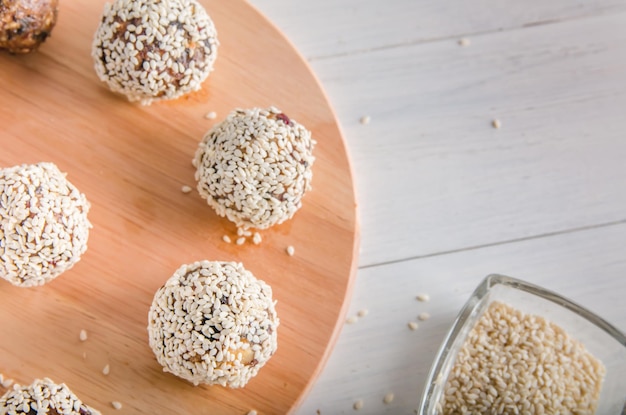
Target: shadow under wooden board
{"points": [[131, 162]]}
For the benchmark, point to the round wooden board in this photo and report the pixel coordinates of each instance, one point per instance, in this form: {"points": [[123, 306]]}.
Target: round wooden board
{"points": [[131, 162]]}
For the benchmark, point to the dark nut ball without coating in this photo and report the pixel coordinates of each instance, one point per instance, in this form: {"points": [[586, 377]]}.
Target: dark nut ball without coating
{"points": [[25, 24]]}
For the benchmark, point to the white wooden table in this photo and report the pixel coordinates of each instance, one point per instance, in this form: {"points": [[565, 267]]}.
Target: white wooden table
{"points": [[444, 197]]}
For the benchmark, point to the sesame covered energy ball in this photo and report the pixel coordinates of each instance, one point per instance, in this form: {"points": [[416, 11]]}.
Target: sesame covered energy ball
{"points": [[43, 397], [255, 167], [154, 49], [213, 323], [43, 224]]}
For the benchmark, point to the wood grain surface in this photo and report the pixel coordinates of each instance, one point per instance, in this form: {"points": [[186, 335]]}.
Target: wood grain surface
{"points": [[131, 161]]}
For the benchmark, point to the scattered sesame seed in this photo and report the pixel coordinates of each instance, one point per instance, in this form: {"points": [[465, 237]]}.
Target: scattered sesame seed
{"points": [[358, 404], [211, 115], [226, 239], [413, 325], [257, 239], [252, 412], [496, 123], [423, 298], [240, 241], [84, 355], [352, 320], [186, 189], [291, 250], [83, 335], [388, 398], [363, 312], [423, 316], [6, 383], [106, 370], [117, 405], [365, 120], [464, 42], [240, 231]]}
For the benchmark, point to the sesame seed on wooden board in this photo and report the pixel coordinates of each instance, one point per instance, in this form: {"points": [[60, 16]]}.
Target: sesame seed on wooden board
{"points": [[211, 115], [106, 370], [82, 335], [413, 325], [226, 239], [186, 189], [116, 404], [257, 239], [290, 250], [496, 123]]}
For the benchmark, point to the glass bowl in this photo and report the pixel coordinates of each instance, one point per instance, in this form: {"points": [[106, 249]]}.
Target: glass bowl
{"points": [[601, 339]]}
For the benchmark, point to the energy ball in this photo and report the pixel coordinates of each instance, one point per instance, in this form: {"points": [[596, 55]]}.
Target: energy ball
{"points": [[255, 167], [25, 24], [213, 323], [153, 50], [43, 397], [43, 224]]}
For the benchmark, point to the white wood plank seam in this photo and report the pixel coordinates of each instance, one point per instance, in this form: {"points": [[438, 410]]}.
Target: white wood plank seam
{"points": [[448, 38], [493, 244]]}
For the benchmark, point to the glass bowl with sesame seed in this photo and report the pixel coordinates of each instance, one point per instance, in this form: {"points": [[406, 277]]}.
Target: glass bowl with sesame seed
{"points": [[516, 348]]}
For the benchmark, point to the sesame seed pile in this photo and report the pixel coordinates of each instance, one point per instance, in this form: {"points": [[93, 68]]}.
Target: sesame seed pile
{"points": [[43, 397], [213, 323], [255, 166], [43, 224], [514, 363], [154, 49]]}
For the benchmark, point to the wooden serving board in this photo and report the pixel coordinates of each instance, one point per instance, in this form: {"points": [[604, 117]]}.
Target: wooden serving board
{"points": [[131, 162]]}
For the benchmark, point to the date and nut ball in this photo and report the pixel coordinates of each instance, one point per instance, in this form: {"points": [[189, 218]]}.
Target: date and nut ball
{"points": [[255, 167], [153, 50], [213, 323], [43, 224], [43, 397], [25, 24]]}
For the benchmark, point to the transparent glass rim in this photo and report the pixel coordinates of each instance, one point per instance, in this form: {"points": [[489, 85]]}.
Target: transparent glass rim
{"points": [[487, 284]]}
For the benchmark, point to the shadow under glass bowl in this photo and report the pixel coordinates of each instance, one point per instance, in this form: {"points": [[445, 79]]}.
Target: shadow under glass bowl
{"points": [[602, 340]]}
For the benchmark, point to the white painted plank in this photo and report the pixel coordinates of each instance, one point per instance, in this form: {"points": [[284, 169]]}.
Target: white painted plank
{"points": [[330, 27], [379, 353], [433, 175]]}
